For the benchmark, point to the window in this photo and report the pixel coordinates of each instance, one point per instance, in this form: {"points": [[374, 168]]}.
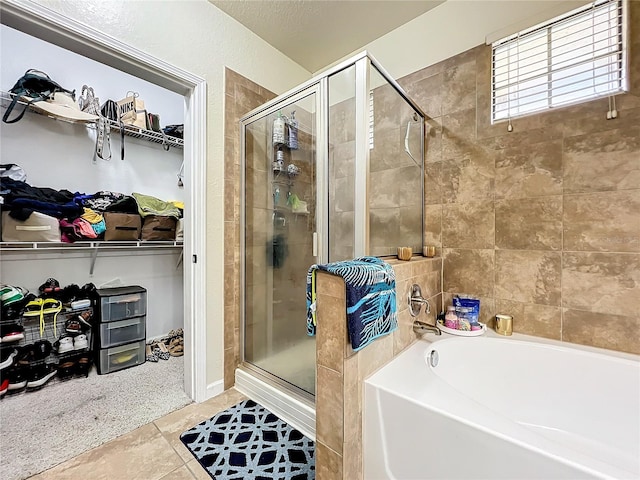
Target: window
{"points": [[570, 59]]}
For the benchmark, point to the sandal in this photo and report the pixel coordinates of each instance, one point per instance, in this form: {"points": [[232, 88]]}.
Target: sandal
{"points": [[151, 355], [51, 306], [160, 349], [34, 309], [176, 347]]}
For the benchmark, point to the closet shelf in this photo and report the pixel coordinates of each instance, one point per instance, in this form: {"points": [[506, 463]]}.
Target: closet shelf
{"points": [[94, 247], [129, 130], [110, 245]]}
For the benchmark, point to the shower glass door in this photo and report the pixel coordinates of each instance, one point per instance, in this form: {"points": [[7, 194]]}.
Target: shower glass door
{"points": [[279, 226]]}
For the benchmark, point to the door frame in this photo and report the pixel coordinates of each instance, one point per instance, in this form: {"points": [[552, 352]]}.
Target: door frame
{"points": [[48, 25]]}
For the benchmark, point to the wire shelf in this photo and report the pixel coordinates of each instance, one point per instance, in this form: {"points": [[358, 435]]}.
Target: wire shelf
{"points": [[129, 130]]}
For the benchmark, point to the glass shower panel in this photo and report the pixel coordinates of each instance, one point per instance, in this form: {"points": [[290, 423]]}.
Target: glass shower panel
{"points": [[342, 154], [280, 220], [395, 170]]}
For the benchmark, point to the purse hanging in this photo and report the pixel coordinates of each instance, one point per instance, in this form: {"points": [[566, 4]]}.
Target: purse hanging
{"points": [[111, 111], [89, 103]]}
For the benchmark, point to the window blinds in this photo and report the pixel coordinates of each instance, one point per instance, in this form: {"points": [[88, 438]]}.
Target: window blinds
{"points": [[568, 60]]}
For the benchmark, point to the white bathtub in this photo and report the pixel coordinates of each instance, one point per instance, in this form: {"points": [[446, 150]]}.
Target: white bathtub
{"points": [[494, 407]]}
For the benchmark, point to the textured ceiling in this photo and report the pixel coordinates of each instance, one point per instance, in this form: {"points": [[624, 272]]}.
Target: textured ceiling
{"points": [[316, 33]]}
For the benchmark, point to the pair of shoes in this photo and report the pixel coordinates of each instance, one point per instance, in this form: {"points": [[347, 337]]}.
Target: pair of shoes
{"points": [[176, 347], [39, 307], [51, 285], [40, 375], [67, 343], [11, 333]]}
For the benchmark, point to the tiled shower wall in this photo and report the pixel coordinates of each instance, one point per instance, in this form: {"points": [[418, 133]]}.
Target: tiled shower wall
{"points": [[241, 96], [542, 223]]}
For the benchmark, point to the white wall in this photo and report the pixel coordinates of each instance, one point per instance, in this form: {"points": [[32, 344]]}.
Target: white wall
{"points": [[60, 155], [453, 27], [72, 71], [198, 37]]}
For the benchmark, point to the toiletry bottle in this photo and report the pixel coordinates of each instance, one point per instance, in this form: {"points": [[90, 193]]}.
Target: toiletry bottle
{"points": [[280, 158], [293, 131], [279, 130], [451, 319]]}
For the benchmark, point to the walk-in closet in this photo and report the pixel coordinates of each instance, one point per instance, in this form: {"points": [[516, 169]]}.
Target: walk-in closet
{"points": [[134, 319]]}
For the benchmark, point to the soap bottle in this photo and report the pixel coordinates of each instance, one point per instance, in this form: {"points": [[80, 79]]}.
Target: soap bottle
{"points": [[279, 130], [451, 318]]}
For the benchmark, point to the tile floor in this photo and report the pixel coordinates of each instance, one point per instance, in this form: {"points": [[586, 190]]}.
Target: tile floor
{"points": [[151, 452]]}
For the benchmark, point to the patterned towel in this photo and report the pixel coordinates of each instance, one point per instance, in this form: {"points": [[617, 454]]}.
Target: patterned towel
{"points": [[371, 298]]}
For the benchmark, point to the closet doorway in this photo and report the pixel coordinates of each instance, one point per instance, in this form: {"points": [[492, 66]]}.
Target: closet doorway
{"points": [[49, 26]]}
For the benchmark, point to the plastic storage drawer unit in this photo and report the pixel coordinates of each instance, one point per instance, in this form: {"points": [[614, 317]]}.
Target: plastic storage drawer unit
{"points": [[120, 303], [123, 331], [124, 356]]}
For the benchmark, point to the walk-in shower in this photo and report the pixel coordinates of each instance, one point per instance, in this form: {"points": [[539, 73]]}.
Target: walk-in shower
{"points": [[330, 170]]}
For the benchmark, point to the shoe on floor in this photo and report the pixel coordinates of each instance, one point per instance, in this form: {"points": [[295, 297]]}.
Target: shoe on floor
{"points": [[176, 347], [80, 342], [151, 354], [4, 386], [66, 369], [7, 356], [83, 365], [17, 378], [11, 333], [40, 375]]}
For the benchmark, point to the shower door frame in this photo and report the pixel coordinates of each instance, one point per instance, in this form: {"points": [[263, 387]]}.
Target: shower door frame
{"points": [[319, 85], [321, 162]]}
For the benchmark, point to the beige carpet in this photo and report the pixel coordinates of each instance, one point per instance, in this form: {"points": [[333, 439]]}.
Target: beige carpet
{"points": [[44, 428]]}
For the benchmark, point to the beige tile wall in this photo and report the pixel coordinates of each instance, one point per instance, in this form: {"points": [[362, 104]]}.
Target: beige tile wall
{"points": [[544, 222], [340, 374]]}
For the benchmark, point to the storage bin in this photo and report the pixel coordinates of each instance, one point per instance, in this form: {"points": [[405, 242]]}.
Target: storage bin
{"points": [[122, 226], [120, 303], [125, 356], [37, 228], [158, 228], [123, 331]]}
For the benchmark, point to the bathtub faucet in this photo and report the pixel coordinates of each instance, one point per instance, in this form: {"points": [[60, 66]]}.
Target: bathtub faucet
{"points": [[421, 327]]}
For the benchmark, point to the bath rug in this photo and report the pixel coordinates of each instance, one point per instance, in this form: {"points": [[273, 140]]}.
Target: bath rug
{"points": [[370, 285], [247, 441]]}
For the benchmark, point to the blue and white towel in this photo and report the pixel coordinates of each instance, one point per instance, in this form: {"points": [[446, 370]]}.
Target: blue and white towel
{"points": [[370, 294]]}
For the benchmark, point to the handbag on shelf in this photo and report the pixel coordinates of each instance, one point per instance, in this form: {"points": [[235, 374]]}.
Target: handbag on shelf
{"points": [[131, 110], [88, 102], [34, 86]]}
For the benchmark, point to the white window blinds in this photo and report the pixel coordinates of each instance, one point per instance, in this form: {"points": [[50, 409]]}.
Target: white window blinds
{"points": [[568, 60]]}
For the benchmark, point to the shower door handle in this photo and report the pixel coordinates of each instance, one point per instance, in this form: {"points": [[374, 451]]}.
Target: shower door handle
{"points": [[315, 244]]}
